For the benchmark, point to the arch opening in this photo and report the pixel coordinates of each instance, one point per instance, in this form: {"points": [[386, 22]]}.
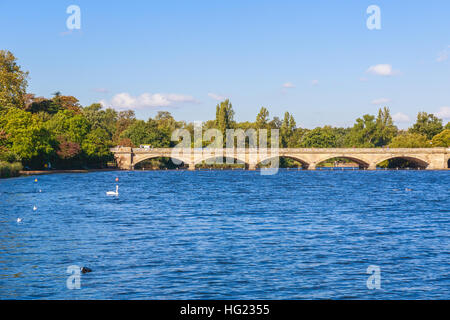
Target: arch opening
{"points": [[284, 162], [448, 164], [403, 163], [159, 163], [220, 163], [343, 163]]}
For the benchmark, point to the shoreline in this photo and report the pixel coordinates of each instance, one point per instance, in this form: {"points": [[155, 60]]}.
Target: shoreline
{"points": [[45, 172]]}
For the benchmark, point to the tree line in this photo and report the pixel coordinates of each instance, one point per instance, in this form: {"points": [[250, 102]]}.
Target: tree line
{"points": [[58, 130]]}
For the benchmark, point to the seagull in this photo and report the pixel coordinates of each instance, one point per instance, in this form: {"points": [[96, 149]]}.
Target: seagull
{"points": [[34, 208], [112, 193], [19, 220]]}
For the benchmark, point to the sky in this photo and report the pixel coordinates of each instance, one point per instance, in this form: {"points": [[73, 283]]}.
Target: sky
{"points": [[315, 59]]}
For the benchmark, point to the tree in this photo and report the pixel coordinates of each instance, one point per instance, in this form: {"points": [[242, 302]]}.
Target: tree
{"points": [[124, 120], [67, 149], [362, 134], [141, 132], [262, 119], [13, 82], [66, 102], [442, 139], [96, 146], [101, 119], [287, 130], [224, 116], [275, 123], [41, 104], [385, 128], [319, 138], [27, 137], [427, 124], [66, 123], [410, 140]]}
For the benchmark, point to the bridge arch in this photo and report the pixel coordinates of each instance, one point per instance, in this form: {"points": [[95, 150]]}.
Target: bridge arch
{"points": [[362, 163], [154, 156], [418, 161], [303, 162], [237, 160], [212, 157]]}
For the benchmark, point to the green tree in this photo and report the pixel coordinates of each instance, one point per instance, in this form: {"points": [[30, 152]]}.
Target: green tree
{"points": [[101, 119], [13, 82], [319, 138], [141, 132], [287, 129], [262, 119], [427, 124], [442, 139], [124, 120], [410, 140], [27, 137], [224, 116], [275, 123], [96, 146], [363, 133], [385, 128], [69, 124]]}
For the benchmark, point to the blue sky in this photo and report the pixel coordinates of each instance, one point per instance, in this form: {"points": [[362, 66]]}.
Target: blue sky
{"points": [[311, 58]]}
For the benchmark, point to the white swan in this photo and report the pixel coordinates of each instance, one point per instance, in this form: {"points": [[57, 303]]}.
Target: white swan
{"points": [[19, 220], [34, 208], [112, 193]]}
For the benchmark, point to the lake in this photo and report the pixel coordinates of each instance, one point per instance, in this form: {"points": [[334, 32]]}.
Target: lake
{"points": [[227, 235]]}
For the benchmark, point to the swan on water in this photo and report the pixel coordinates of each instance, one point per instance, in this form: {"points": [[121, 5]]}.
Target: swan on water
{"points": [[34, 208], [19, 220], [112, 193]]}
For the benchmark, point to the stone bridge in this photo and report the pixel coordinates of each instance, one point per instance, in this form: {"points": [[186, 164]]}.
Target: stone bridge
{"points": [[366, 158]]}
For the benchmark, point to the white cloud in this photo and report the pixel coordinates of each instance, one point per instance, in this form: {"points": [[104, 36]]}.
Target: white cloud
{"points": [[288, 85], [443, 55], [443, 113], [216, 97], [315, 82], [382, 70], [146, 100], [401, 117], [381, 101]]}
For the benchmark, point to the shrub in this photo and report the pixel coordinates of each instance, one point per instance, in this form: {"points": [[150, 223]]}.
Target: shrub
{"points": [[9, 170]]}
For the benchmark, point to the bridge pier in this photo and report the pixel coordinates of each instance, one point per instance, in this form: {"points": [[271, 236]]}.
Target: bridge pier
{"points": [[372, 166], [191, 167], [252, 167], [312, 166]]}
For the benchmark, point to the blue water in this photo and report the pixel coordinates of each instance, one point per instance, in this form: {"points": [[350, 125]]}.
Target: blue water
{"points": [[227, 235]]}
